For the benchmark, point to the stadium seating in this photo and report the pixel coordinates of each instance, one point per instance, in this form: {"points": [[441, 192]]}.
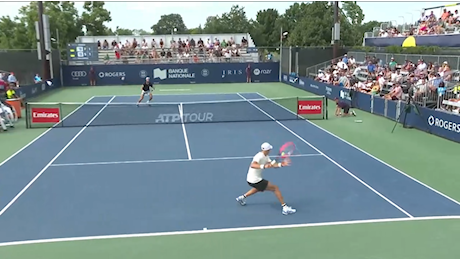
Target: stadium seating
{"points": [[166, 49]]}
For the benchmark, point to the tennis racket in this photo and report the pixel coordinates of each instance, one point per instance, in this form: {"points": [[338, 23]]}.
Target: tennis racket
{"points": [[285, 153]]}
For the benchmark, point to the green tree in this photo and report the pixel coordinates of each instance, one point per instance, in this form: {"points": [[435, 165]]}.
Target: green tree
{"points": [[266, 31], [94, 16], [123, 31], [141, 32], [13, 34], [168, 23], [353, 12], [63, 16], [197, 30], [234, 21]]}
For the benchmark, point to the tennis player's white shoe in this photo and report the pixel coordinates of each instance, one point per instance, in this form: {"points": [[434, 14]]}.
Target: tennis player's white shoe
{"points": [[242, 200], [288, 210]]}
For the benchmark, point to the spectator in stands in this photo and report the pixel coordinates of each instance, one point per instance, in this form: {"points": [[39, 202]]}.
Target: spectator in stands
{"points": [[342, 64], [445, 71], [352, 61], [12, 81], [395, 92], [192, 44], [105, 45], [392, 65], [3, 86], [37, 79], [244, 42], [162, 44]]}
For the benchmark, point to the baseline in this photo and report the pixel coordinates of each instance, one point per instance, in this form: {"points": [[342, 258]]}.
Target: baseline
{"points": [[160, 234], [330, 159], [52, 160]]}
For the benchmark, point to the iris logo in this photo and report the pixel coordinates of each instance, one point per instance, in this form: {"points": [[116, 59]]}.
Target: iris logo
{"points": [[231, 72]]}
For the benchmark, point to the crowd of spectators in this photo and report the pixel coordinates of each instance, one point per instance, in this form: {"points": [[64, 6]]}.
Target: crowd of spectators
{"points": [[8, 85], [428, 24], [187, 50], [425, 83]]}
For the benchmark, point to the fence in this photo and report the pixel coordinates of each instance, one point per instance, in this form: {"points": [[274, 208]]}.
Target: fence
{"points": [[306, 60], [25, 64]]}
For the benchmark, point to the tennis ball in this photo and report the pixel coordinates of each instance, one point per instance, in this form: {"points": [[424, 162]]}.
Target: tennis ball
{"points": [[282, 154]]}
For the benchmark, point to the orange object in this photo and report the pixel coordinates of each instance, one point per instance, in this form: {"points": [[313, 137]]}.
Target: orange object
{"points": [[16, 103]]}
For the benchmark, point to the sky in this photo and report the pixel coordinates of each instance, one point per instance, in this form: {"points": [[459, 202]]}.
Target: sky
{"points": [[142, 15]]}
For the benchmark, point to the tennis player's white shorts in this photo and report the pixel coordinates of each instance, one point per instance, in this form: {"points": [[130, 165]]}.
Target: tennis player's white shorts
{"points": [[146, 92]]}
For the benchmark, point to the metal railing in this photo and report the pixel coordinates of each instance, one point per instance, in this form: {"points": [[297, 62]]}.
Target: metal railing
{"points": [[312, 71], [185, 60]]}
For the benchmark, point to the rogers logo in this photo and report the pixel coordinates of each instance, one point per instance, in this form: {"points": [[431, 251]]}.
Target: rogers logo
{"points": [[44, 115], [309, 107]]}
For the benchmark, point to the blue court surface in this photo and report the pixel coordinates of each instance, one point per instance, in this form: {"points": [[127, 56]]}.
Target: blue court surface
{"points": [[148, 178]]}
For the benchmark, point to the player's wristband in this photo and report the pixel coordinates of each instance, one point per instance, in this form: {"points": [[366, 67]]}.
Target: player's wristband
{"points": [[280, 165], [262, 166]]}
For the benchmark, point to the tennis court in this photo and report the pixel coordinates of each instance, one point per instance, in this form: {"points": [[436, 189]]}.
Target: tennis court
{"points": [[146, 170]]}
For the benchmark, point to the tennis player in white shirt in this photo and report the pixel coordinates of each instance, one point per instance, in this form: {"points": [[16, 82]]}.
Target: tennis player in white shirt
{"points": [[254, 178]]}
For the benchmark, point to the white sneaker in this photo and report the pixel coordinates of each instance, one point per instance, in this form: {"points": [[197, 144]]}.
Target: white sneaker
{"points": [[242, 200], [353, 112], [288, 210]]}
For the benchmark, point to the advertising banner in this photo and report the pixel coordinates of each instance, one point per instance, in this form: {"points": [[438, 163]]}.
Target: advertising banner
{"points": [[30, 91], [170, 73]]}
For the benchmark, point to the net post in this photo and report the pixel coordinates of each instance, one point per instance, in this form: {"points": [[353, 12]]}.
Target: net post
{"points": [[326, 107], [297, 110], [60, 115], [27, 116]]}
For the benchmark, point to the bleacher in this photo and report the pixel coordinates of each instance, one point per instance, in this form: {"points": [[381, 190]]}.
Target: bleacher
{"points": [[387, 29], [150, 53]]}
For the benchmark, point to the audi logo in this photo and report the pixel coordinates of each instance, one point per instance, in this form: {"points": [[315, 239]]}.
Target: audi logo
{"points": [[78, 74]]}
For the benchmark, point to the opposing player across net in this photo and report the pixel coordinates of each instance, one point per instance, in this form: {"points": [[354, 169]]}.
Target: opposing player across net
{"points": [[116, 113]]}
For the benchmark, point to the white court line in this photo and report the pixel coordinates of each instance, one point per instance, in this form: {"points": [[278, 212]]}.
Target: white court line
{"points": [[330, 159], [52, 160], [224, 230], [187, 145], [170, 160], [44, 133], [368, 154]]}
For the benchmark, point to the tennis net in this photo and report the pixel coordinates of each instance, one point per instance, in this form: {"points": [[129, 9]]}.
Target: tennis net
{"points": [[45, 115]]}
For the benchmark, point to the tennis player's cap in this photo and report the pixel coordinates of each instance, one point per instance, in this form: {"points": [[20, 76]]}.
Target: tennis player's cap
{"points": [[147, 78], [266, 146]]}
